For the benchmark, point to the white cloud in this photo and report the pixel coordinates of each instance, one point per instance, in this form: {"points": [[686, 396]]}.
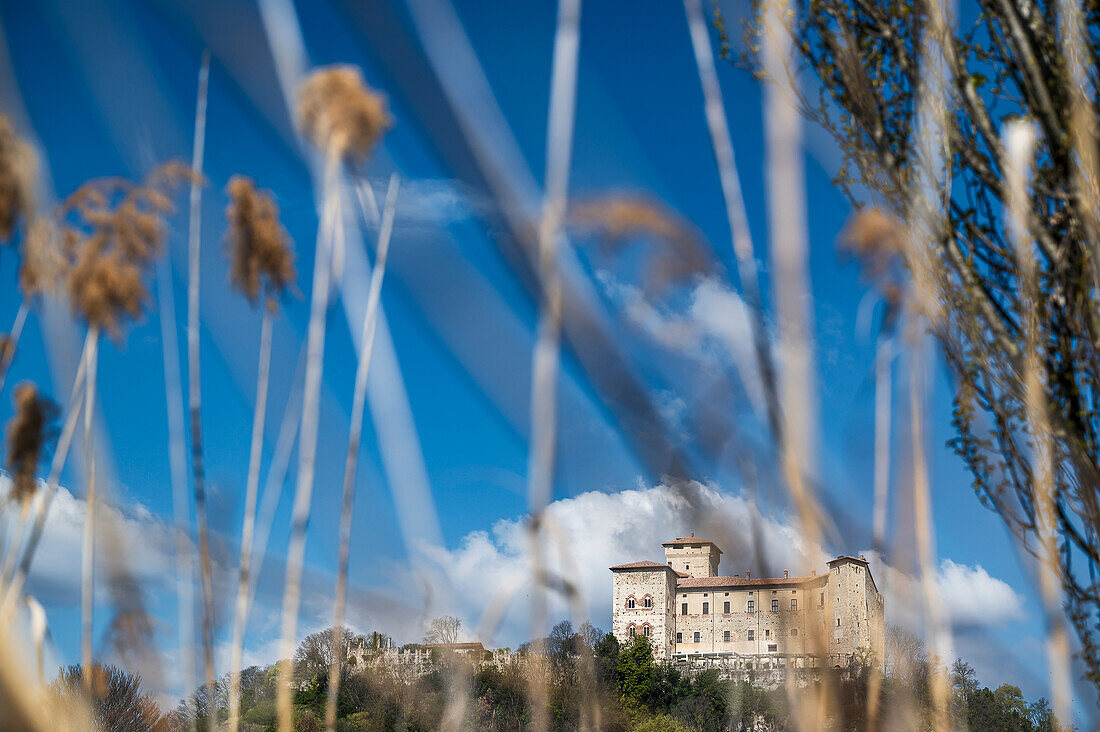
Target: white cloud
{"points": [[968, 595], [716, 325]]}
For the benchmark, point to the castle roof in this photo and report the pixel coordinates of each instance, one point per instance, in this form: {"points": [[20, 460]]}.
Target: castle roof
{"points": [[643, 565], [471, 646], [848, 558], [691, 540], [745, 581]]}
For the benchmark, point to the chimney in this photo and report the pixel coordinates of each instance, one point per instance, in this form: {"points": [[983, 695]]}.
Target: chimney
{"points": [[737, 576], [748, 574], [786, 573], [813, 572], [693, 534]]}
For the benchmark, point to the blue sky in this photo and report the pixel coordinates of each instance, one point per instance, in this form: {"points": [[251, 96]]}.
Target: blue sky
{"points": [[110, 91]]}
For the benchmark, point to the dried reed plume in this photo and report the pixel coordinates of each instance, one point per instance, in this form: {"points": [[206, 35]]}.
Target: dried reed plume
{"points": [[18, 166], [261, 258], [340, 114], [344, 119], [111, 230], [619, 219], [43, 269], [30, 433], [877, 240]]}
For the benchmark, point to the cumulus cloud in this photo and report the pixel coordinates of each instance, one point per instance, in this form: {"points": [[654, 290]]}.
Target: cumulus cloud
{"points": [[969, 596]]}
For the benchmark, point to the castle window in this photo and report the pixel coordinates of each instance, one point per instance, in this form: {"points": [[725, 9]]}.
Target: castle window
{"points": [[630, 603], [752, 635], [679, 637], [684, 609], [794, 604], [704, 594], [630, 631], [687, 567], [794, 631], [696, 637], [773, 647], [647, 602], [726, 607], [726, 636], [647, 631], [768, 633], [775, 606], [838, 622], [752, 607], [706, 608], [670, 563]]}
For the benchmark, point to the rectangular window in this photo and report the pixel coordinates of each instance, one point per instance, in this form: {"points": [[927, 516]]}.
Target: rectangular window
{"points": [[696, 637], [794, 604], [726, 636], [679, 637], [768, 633], [773, 647], [684, 609], [751, 608], [775, 606], [706, 608], [726, 608], [752, 635], [821, 603]]}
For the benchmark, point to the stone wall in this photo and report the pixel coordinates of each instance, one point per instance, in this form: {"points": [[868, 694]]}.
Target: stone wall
{"points": [[657, 584]]}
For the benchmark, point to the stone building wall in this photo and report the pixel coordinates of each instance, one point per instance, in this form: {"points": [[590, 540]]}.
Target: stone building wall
{"points": [[657, 584], [697, 560]]}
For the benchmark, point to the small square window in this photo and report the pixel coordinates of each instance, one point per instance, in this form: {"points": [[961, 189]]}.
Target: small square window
{"points": [[773, 647], [794, 631], [727, 594], [704, 594]]}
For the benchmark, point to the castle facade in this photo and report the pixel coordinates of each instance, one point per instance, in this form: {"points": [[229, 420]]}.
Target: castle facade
{"points": [[685, 608]]}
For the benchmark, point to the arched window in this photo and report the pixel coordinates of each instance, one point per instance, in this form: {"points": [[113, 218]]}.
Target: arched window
{"points": [[630, 631], [647, 631], [630, 603], [647, 601]]}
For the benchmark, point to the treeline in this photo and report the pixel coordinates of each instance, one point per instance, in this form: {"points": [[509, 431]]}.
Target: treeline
{"points": [[581, 672]]}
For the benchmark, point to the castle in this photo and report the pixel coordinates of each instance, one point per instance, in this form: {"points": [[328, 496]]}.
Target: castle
{"points": [[687, 610]]}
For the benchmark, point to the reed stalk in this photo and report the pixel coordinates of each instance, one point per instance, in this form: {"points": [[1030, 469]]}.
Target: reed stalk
{"points": [[259, 418], [351, 461], [1019, 143], [546, 360], [194, 383], [7, 353], [177, 459], [330, 231], [87, 584], [13, 586]]}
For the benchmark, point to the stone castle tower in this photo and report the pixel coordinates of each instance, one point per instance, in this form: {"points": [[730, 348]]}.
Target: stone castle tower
{"points": [[687, 609]]}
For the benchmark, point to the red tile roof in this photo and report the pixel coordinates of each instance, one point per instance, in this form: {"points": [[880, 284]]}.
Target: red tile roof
{"points": [[744, 581], [691, 540], [643, 565]]}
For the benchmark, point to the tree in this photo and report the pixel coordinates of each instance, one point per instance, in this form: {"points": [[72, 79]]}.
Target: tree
{"points": [[443, 629], [316, 652], [117, 702], [589, 635], [637, 673], [905, 654], [1005, 61]]}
